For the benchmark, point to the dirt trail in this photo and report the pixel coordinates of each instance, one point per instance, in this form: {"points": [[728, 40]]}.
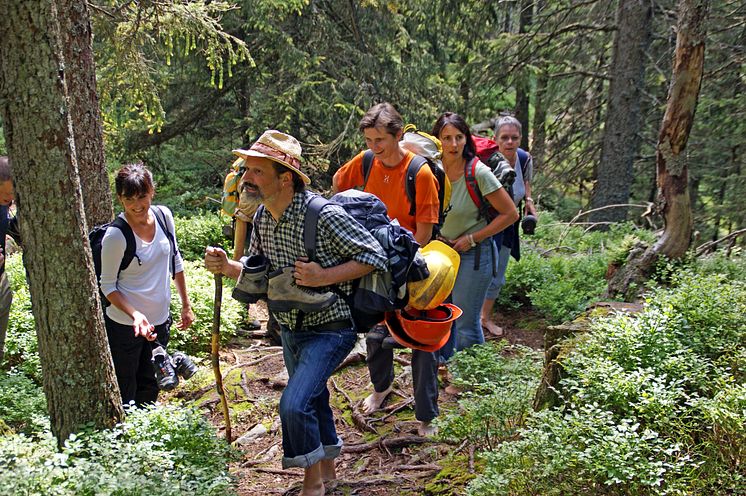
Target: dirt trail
{"points": [[383, 454]]}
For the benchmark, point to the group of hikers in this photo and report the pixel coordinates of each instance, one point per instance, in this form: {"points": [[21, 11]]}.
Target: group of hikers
{"points": [[139, 254]]}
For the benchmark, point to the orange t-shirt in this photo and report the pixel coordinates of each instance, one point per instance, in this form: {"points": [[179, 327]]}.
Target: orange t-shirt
{"points": [[388, 184]]}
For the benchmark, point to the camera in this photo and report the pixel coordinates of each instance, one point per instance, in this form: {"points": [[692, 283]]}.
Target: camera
{"points": [[502, 169], [528, 224], [168, 368]]}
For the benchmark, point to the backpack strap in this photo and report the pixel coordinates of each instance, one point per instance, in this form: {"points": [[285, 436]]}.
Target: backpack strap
{"points": [[523, 158], [311, 223], [410, 183], [470, 177], [367, 166], [160, 217], [310, 228], [130, 243]]}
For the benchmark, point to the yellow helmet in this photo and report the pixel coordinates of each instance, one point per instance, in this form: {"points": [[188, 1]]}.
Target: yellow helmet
{"points": [[442, 262]]}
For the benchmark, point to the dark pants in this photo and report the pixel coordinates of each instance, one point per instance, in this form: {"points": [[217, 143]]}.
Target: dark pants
{"points": [[132, 360], [424, 376]]}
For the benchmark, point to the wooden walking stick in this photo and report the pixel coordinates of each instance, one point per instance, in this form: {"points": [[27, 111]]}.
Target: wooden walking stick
{"points": [[216, 357]]}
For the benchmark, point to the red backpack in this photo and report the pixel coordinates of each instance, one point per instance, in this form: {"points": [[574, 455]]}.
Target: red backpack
{"points": [[486, 149]]}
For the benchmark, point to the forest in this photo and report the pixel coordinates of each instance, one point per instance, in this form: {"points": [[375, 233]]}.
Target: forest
{"points": [[622, 370]]}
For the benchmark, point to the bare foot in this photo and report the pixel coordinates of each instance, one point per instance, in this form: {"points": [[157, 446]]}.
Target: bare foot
{"points": [[493, 328], [453, 390], [328, 470], [427, 429], [313, 484], [373, 402]]}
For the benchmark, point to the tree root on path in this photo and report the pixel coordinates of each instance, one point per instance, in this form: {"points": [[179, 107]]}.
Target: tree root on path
{"points": [[386, 444], [253, 362], [394, 409], [333, 485], [352, 359], [357, 418]]}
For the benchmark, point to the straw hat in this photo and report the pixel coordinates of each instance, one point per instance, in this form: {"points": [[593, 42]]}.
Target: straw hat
{"points": [[278, 147]]}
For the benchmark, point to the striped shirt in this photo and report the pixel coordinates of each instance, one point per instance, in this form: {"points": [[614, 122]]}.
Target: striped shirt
{"points": [[339, 239]]}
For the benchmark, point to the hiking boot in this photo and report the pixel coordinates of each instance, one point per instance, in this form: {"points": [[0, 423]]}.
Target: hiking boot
{"points": [[252, 282], [284, 295]]}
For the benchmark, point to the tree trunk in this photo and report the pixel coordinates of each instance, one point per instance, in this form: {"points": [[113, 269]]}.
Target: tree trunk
{"points": [[523, 84], [677, 122], [78, 374], [541, 103], [672, 172], [620, 142], [80, 74]]}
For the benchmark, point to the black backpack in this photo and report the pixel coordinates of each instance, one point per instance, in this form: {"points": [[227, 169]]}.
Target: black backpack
{"points": [[377, 292], [96, 236], [410, 185]]}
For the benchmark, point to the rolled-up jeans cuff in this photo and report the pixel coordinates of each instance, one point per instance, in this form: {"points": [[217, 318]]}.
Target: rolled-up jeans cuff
{"points": [[332, 451], [315, 456]]}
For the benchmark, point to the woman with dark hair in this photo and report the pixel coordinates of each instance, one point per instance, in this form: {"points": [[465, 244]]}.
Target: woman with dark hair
{"points": [[467, 231], [140, 293]]}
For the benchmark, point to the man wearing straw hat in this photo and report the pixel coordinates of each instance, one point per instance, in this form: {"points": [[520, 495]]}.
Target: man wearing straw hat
{"points": [[317, 342]]}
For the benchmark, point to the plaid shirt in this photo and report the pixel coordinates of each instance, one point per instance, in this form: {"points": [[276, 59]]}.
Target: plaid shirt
{"points": [[339, 239]]}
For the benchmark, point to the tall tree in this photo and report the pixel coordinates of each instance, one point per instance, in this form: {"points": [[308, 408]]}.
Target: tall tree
{"points": [[620, 140], [80, 71], [523, 86], [671, 161], [77, 369]]}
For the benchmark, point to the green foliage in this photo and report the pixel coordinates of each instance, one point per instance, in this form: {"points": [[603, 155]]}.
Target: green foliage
{"points": [[158, 451], [195, 233], [22, 403], [21, 349], [563, 270], [499, 383], [654, 404], [21, 346], [583, 451], [575, 282], [201, 288], [142, 40], [188, 179]]}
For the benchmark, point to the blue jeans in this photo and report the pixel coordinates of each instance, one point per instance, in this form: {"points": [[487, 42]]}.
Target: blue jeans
{"points": [[499, 280], [468, 294], [308, 432]]}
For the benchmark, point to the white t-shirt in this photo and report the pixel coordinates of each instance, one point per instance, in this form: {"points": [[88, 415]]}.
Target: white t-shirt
{"points": [[145, 285]]}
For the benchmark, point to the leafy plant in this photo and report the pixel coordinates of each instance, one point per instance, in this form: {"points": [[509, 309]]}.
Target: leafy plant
{"points": [[163, 450], [195, 233], [22, 403], [21, 348], [201, 288], [653, 404], [499, 383]]}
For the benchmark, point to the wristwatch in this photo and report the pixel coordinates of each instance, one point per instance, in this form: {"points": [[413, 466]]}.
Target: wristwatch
{"points": [[470, 237]]}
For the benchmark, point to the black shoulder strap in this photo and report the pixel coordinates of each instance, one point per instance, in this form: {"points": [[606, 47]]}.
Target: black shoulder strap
{"points": [[410, 184], [310, 228], [255, 228], [311, 223], [161, 218], [367, 166], [130, 243]]}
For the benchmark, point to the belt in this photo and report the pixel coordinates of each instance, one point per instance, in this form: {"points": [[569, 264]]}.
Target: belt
{"points": [[335, 325]]}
